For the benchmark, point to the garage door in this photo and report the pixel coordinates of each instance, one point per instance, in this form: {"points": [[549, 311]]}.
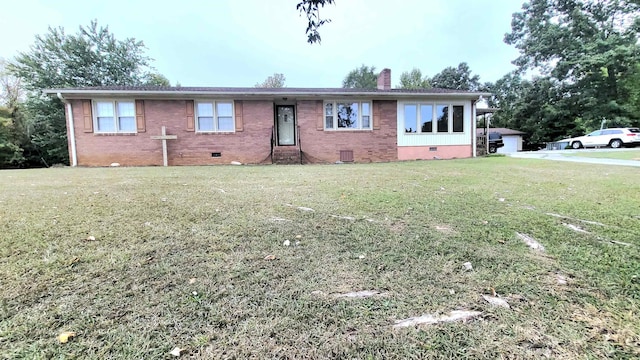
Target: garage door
{"points": [[510, 145]]}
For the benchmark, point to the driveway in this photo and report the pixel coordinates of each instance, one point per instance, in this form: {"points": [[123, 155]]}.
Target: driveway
{"points": [[560, 155]]}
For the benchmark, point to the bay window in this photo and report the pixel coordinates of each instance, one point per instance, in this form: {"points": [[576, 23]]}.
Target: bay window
{"points": [[433, 118]]}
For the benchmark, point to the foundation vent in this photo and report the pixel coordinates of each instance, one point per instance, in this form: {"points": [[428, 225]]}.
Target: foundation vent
{"points": [[346, 155]]}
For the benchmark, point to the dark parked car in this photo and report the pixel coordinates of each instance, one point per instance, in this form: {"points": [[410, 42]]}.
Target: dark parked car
{"points": [[495, 142]]}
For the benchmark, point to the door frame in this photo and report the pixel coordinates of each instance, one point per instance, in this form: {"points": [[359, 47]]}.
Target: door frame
{"points": [[293, 108]]}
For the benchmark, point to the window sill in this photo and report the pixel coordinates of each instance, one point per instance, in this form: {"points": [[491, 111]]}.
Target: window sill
{"points": [[434, 133], [115, 134], [215, 132], [347, 130]]}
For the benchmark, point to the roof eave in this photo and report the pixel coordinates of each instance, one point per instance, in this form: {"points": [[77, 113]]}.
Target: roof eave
{"points": [[74, 93]]}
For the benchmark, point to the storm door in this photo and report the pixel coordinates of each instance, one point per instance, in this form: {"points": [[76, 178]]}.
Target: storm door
{"points": [[286, 130]]}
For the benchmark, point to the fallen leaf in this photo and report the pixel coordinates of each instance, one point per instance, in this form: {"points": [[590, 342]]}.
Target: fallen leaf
{"points": [[286, 243], [270, 257], [91, 238], [176, 351], [192, 280], [73, 261], [467, 266], [298, 236], [65, 336]]}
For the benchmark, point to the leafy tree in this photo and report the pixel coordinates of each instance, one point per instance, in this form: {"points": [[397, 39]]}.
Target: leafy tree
{"points": [[537, 107], [459, 78], [91, 57], [15, 142], [413, 80], [275, 81], [588, 46], [364, 77], [156, 79], [11, 92], [10, 152], [311, 9]]}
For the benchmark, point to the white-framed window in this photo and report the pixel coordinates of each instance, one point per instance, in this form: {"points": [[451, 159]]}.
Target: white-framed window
{"points": [[114, 116], [347, 115], [429, 118], [215, 116]]}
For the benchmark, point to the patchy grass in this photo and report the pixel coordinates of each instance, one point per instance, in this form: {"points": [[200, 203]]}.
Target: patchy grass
{"points": [[622, 154], [179, 253]]}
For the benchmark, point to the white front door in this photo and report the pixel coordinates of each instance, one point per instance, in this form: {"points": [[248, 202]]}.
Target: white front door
{"points": [[286, 125]]}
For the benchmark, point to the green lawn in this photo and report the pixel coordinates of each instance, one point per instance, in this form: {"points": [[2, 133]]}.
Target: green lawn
{"points": [[179, 254], [613, 154]]}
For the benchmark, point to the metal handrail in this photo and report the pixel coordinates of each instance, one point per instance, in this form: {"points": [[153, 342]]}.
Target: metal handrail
{"points": [[298, 142]]}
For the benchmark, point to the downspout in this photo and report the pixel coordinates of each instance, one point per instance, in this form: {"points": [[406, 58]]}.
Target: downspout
{"points": [[72, 131], [473, 127]]}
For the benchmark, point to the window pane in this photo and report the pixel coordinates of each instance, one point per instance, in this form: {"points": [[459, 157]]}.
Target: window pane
{"points": [[225, 123], [366, 123], [126, 109], [458, 118], [205, 123], [328, 109], [365, 108], [127, 123], [205, 109], [104, 109], [347, 115], [328, 122], [442, 114], [106, 124], [426, 117], [410, 118], [225, 109]]}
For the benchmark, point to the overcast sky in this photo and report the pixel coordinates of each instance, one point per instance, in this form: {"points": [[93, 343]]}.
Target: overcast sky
{"points": [[241, 42]]}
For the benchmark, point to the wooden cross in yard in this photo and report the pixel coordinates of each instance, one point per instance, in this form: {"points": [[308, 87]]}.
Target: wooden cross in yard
{"points": [[164, 137]]}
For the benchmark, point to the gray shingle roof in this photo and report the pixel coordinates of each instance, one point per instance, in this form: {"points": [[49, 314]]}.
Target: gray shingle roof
{"points": [[232, 90], [174, 92]]}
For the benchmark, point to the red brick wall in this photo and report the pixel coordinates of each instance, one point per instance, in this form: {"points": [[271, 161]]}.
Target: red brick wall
{"points": [[367, 145], [252, 145]]}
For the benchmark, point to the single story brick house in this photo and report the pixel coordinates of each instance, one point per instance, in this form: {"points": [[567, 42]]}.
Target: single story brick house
{"points": [[125, 124]]}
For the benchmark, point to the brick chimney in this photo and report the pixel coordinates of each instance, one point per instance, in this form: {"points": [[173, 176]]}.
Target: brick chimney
{"points": [[384, 80]]}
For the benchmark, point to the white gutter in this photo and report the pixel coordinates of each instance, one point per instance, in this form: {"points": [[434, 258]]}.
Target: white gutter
{"points": [[473, 127], [287, 92], [72, 132]]}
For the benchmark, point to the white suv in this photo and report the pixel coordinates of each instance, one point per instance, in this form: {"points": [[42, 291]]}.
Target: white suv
{"points": [[615, 138]]}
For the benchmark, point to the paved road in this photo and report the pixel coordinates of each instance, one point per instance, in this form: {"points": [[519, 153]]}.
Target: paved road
{"points": [[559, 155]]}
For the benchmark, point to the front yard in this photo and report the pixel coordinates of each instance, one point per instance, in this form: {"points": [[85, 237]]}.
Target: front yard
{"points": [[258, 261]]}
